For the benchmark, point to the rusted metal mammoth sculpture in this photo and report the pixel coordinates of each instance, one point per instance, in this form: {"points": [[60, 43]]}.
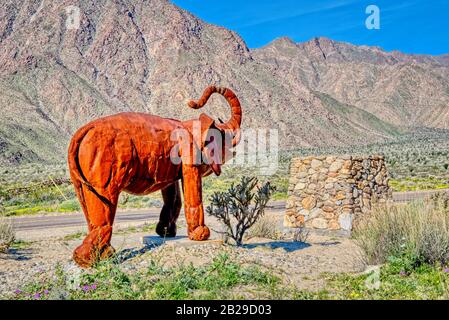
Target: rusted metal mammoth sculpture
{"points": [[140, 153]]}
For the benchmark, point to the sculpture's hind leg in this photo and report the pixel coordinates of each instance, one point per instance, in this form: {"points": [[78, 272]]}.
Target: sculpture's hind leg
{"points": [[166, 226], [99, 209]]}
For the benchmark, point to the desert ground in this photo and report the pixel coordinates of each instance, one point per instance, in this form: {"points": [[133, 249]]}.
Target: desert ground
{"points": [[298, 263]]}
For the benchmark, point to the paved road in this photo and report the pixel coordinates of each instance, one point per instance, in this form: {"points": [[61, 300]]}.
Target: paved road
{"points": [[77, 219], [23, 223]]}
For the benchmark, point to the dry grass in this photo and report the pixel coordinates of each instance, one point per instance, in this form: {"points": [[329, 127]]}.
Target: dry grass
{"points": [[419, 230], [7, 235], [266, 227], [300, 235]]}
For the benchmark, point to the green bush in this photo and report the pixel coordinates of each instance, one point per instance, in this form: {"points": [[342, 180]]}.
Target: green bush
{"points": [[241, 206], [69, 206]]}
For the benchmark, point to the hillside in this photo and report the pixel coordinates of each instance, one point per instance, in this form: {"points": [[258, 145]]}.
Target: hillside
{"points": [[151, 56]]}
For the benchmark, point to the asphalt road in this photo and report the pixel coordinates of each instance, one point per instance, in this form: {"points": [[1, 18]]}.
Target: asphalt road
{"points": [[22, 223], [61, 220]]}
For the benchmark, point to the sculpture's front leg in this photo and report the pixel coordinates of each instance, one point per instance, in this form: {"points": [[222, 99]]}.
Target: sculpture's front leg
{"points": [[193, 203]]}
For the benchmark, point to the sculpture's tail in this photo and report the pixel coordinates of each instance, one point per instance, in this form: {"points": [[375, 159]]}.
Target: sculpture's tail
{"points": [[78, 178], [74, 165]]}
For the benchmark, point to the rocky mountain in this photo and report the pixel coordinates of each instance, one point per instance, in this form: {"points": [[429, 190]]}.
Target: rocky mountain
{"points": [[151, 56]]}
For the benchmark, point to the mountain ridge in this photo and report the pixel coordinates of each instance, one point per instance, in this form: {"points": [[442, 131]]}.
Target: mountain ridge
{"points": [[151, 56]]}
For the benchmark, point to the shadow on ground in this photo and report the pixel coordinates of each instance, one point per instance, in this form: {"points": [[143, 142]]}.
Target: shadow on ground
{"points": [[288, 246], [329, 243], [149, 243], [17, 254]]}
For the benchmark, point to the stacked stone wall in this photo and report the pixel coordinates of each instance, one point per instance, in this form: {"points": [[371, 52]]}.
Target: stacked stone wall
{"points": [[332, 192]]}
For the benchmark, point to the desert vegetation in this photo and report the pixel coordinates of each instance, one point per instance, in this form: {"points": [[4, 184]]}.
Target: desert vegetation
{"points": [[418, 231], [409, 243], [222, 279], [239, 208], [417, 161], [7, 235]]}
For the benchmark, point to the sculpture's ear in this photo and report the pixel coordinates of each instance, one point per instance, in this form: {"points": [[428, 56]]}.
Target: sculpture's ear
{"points": [[198, 131], [206, 123], [210, 144]]}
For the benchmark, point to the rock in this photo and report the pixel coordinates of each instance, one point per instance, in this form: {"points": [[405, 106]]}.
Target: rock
{"points": [[324, 170], [331, 186], [340, 196], [312, 186], [293, 180], [333, 225], [319, 223], [378, 179], [328, 203], [290, 203], [300, 186], [329, 215], [309, 202], [302, 174], [299, 220], [314, 213], [289, 222], [315, 164], [335, 166], [345, 221], [330, 159]]}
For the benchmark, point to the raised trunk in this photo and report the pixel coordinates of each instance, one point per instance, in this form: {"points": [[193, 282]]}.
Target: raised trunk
{"points": [[235, 121]]}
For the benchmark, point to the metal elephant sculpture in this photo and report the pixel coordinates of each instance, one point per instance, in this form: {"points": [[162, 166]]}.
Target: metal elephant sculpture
{"points": [[140, 153]]}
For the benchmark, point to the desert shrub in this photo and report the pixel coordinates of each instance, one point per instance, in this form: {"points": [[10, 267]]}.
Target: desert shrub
{"points": [[395, 283], [417, 232], [7, 235], [241, 206], [266, 227], [440, 199]]}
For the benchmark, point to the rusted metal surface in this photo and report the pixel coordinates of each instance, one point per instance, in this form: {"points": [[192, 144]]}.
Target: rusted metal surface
{"points": [[134, 152]]}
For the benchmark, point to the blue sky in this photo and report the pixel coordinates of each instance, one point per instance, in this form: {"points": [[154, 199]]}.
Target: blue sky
{"points": [[419, 26]]}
